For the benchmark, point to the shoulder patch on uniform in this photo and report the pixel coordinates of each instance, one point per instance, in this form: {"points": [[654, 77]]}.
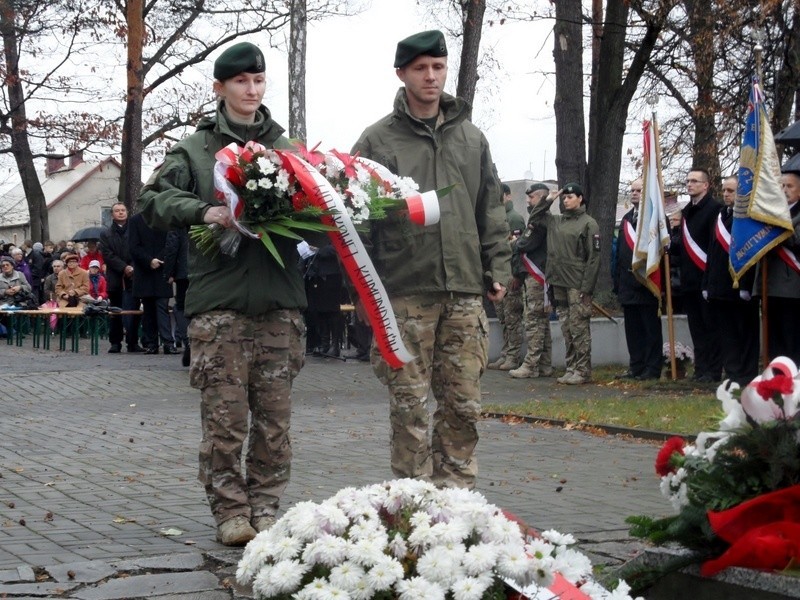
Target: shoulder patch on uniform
{"points": [[596, 241]]}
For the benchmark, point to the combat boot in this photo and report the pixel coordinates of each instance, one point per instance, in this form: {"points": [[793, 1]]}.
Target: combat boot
{"points": [[235, 532], [523, 372], [574, 379], [263, 523], [495, 364], [565, 376], [508, 364]]}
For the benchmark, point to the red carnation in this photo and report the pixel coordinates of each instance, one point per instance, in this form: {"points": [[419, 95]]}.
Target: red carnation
{"points": [[780, 384], [664, 465]]}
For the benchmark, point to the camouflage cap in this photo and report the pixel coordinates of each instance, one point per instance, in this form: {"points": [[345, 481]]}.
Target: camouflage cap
{"points": [[429, 43], [243, 57], [572, 188]]}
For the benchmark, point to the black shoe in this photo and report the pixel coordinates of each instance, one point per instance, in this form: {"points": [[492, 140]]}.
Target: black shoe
{"points": [[648, 376], [704, 379], [115, 349], [626, 375], [151, 350], [187, 356], [170, 350], [178, 344], [136, 348]]}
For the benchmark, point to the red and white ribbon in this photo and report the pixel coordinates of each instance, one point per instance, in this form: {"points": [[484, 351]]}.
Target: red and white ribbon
{"points": [[423, 209], [630, 234], [723, 235], [695, 252], [534, 271], [357, 264], [789, 258]]}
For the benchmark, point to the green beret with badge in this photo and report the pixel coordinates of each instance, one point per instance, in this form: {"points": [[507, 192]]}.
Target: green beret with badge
{"points": [[573, 188], [243, 57], [425, 43]]}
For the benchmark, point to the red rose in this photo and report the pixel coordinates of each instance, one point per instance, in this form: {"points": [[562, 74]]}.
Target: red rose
{"points": [[780, 384], [664, 464]]}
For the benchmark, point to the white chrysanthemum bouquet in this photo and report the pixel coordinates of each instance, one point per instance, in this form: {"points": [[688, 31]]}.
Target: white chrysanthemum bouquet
{"points": [[406, 539]]}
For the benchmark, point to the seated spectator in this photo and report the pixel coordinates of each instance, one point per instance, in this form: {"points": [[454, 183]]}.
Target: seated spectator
{"points": [[97, 282], [20, 265], [92, 254], [73, 282], [14, 288], [49, 286]]}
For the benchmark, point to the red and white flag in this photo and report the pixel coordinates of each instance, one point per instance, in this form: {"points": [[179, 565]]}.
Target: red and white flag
{"points": [[652, 234]]}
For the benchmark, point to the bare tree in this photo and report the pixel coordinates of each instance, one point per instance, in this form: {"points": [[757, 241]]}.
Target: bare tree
{"points": [[297, 70]]}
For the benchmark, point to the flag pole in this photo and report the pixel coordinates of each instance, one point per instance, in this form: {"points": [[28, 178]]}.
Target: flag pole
{"points": [[652, 100], [764, 314]]}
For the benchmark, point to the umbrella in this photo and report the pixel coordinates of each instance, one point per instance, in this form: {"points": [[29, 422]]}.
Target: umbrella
{"points": [[87, 234], [790, 136]]}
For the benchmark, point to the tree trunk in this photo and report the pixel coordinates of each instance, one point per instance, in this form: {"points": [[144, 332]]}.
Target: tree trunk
{"points": [[20, 148], [705, 150], [788, 79], [473, 29], [297, 70], [568, 104], [130, 182]]}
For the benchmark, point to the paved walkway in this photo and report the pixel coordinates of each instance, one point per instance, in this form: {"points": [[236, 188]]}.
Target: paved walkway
{"points": [[98, 471]]}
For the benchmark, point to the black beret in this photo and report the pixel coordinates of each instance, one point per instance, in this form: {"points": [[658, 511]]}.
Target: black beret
{"points": [[573, 188], [792, 165], [536, 187], [429, 43], [243, 57]]}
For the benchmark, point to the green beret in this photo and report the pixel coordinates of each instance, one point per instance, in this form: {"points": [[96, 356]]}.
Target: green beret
{"points": [[573, 188], [537, 187], [429, 43], [243, 57]]}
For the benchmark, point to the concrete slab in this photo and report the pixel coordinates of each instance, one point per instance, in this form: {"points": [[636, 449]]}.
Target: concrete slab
{"points": [[151, 586]]}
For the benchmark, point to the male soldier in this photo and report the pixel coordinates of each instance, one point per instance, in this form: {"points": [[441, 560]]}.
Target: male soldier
{"points": [[511, 308], [573, 264], [640, 307], [435, 275], [783, 276], [691, 246], [530, 256]]}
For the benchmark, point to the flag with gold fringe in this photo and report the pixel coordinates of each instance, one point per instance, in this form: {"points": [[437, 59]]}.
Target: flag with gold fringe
{"points": [[761, 217], [652, 234]]}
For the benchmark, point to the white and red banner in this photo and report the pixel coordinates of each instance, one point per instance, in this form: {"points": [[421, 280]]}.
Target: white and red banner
{"points": [[356, 261], [722, 234], [652, 234], [534, 271], [229, 157]]}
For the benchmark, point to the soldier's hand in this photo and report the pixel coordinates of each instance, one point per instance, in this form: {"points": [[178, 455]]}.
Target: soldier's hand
{"points": [[218, 214], [497, 292]]}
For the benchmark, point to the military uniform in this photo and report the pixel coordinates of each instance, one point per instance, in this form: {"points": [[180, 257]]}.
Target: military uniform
{"points": [[435, 276], [511, 308], [531, 247], [573, 264], [246, 328]]}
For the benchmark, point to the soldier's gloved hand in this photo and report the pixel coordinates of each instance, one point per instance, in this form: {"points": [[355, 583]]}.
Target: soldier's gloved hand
{"points": [[745, 295], [705, 294]]}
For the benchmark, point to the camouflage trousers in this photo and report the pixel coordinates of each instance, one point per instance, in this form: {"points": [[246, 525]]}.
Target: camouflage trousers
{"points": [[510, 312], [575, 317], [537, 327], [244, 367], [448, 335]]}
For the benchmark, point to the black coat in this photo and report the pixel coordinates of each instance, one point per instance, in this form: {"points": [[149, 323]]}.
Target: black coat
{"points": [[628, 289], [700, 219], [145, 244], [782, 280], [176, 254], [116, 255], [717, 280]]}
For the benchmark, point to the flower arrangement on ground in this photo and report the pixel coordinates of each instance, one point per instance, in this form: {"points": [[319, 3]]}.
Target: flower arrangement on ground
{"points": [[406, 539], [737, 489], [684, 356]]}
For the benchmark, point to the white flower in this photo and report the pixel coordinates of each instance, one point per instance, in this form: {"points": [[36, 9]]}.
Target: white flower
{"points": [[480, 558], [328, 550], [385, 572], [265, 165], [251, 184], [539, 548], [418, 588], [282, 180], [398, 546], [573, 565], [264, 183], [501, 531], [347, 575], [440, 564], [282, 578], [470, 588], [558, 539], [513, 564]]}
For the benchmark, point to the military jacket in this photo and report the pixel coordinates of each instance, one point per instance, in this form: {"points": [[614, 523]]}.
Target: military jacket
{"points": [[573, 247], [469, 245], [182, 190]]}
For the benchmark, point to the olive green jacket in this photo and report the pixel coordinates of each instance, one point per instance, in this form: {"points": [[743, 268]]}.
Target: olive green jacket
{"points": [[468, 249], [180, 192], [573, 247]]}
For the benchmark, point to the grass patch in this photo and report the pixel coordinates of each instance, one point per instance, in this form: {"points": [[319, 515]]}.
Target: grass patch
{"points": [[680, 407]]}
